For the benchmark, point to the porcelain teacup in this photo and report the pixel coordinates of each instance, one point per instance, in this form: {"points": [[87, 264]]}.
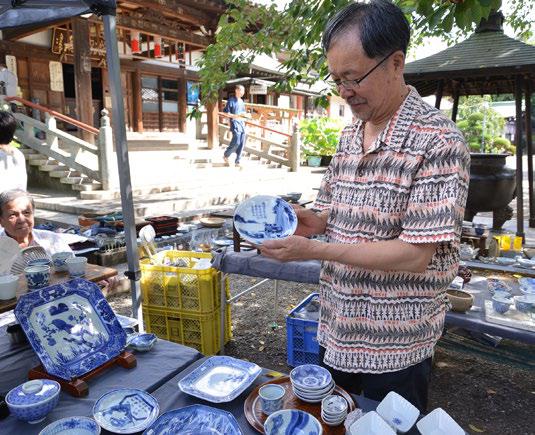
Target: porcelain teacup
{"points": [[271, 398], [8, 286], [37, 276], [59, 259], [76, 266]]}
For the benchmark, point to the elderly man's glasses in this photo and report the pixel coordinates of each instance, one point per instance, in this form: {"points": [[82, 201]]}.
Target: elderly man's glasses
{"points": [[353, 84]]}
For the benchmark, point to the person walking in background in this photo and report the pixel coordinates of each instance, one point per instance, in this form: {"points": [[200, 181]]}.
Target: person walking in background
{"points": [[12, 163], [236, 106]]}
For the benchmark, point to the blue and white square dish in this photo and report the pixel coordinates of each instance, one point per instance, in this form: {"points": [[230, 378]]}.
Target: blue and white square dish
{"points": [[71, 327], [264, 217], [220, 379], [126, 410], [195, 420]]}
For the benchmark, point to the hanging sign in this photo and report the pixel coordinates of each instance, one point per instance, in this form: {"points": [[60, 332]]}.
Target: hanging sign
{"points": [[56, 76], [258, 89], [11, 64]]}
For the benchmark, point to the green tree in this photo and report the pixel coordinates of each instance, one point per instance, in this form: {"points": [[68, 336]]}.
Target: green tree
{"points": [[246, 31]]}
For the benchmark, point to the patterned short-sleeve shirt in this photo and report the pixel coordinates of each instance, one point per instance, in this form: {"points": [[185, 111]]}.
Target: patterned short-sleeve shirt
{"points": [[411, 185]]}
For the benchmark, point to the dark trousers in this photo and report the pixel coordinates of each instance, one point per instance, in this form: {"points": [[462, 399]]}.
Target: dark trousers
{"points": [[236, 145], [412, 383]]}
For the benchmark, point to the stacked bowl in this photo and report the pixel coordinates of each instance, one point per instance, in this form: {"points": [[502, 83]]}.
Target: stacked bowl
{"points": [[311, 383], [334, 410]]}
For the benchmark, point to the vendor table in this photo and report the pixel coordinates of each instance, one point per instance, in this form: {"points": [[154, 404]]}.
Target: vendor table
{"points": [[154, 369], [252, 264], [493, 267], [92, 273]]}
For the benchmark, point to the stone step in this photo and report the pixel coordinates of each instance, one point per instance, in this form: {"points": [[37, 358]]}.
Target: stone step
{"points": [[87, 187], [73, 180], [64, 173], [27, 151], [49, 167]]}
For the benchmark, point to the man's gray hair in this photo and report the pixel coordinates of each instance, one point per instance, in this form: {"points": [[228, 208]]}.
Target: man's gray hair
{"points": [[11, 195]]}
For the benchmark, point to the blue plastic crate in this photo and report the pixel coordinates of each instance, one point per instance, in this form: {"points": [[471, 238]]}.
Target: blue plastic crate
{"points": [[302, 343]]}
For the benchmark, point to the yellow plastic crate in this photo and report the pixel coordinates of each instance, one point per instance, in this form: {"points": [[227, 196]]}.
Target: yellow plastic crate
{"points": [[200, 331], [181, 288]]}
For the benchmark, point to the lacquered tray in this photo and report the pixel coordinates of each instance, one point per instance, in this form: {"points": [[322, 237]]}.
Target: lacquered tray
{"points": [[256, 417]]}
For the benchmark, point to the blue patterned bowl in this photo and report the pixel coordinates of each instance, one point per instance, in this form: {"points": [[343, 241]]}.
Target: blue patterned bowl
{"points": [[141, 342], [72, 425], [310, 378], [292, 421], [500, 304], [59, 260], [525, 303], [37, 276], [33, 400]]}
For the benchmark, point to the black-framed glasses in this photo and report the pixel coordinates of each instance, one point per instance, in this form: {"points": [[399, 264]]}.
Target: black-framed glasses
{"points": [[353, 84]]}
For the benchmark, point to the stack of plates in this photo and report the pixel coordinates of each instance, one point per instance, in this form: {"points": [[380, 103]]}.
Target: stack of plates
{"points": [[334, 410], [311, 383]]}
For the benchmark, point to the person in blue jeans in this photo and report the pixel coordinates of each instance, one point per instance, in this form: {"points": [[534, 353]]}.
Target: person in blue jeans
{"points": [[236, 106]]}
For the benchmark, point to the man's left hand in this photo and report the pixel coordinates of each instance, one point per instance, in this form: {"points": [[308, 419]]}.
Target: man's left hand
{"points": [[289, 249]]}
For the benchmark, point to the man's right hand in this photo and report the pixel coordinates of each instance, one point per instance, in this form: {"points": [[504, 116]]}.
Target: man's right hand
{"points": [[309, 222]]}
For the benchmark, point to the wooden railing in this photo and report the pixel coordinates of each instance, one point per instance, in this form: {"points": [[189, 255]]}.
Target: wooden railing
{"points": [[92, 160]]}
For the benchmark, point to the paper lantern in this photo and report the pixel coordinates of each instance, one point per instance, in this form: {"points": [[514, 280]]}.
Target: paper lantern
{"points": [[135, 43]]}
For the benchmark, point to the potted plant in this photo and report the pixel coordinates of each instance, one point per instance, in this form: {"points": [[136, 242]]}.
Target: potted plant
{"points": [[319, 139]]}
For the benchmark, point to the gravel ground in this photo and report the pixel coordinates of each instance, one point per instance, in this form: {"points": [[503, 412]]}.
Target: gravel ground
{"points": [[482, 395]]}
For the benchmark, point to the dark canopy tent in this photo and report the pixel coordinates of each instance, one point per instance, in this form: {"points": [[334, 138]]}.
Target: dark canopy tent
{"points": [[488, 62], [17, 13]]}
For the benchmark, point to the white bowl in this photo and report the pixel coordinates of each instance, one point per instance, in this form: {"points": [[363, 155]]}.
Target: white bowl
{"points": [[76, 265], [398, 412], [292, 421], [8, 286], [439, 422], [313, 391], [371, 424], [310, 377]]}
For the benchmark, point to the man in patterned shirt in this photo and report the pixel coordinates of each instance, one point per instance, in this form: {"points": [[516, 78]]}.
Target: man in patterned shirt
{"points": [[391, 206]]}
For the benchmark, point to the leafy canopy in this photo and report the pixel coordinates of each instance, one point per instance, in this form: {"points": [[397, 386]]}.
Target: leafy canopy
{"points": [[246, 31]]}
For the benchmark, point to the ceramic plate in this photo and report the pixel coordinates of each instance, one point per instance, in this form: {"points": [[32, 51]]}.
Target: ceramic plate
{"points": [[72, 425], [220, 379], [223, 242], [263, 218], [126, 322], [126, 410], [71, 327], [195, 420]]}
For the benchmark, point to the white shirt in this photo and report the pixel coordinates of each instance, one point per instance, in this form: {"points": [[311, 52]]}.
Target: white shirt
{"points": [[12, 170], [10, 82], [51, 242]]}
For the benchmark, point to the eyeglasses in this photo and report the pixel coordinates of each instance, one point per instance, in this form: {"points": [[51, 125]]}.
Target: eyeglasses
{"points": [[353, 84]]}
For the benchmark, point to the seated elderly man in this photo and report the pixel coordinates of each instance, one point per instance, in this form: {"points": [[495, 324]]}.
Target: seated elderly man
{"points": [[16, 218]]}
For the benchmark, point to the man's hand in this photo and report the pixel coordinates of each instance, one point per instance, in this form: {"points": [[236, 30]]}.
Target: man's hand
{"points": [[289, 249], [309, 222]]}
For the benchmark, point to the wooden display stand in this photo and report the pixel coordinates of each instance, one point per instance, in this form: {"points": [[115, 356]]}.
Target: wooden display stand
{"points": [[78, 387]]}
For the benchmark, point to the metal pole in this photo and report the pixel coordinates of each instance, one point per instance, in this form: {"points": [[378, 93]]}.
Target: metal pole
{"points": [[123, 164], [519, 174], [529, 143]]}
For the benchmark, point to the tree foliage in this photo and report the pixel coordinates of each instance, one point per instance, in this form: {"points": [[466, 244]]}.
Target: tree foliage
{"points": [[246, 31]]}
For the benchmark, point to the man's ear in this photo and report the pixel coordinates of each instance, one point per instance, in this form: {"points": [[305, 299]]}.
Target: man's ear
{"points": [[398, 60]]}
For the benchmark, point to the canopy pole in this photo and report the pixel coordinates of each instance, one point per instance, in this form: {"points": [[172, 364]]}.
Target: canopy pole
{"points": [[529, 143], [455, 107], [518, 144], [438, 93], [119, 131]]}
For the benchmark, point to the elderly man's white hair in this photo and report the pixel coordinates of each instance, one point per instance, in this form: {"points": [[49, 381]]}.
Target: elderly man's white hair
{"points": [[11, 195]]}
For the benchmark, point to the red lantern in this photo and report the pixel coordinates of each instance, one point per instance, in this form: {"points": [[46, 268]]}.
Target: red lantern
{"points": [[157, 46], [134, 43]]}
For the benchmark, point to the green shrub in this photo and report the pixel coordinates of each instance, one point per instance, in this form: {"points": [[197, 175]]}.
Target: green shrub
{"points": [[320, 136]]}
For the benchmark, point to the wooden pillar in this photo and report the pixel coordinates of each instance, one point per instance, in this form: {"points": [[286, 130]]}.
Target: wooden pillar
{"points": [[455, 107], [137, 102], [160, 105], [519, 85], [529, 146], [182, 104], [212, 113], [82, 73], [440, 90]]}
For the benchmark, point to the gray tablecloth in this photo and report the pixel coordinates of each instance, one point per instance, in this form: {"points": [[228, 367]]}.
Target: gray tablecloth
{"points": [[153, 370], [250, 263]]}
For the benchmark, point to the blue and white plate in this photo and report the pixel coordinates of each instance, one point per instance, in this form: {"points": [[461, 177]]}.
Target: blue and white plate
{"points": [[310, 377], [263, 218], [220, 379], [71, 327], [72, 425], [195, 420], [126, 410], [292, 421]]}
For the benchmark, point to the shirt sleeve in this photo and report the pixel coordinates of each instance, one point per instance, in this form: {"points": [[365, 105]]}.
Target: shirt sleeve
{"points": [[438, 195], [228, 108]]}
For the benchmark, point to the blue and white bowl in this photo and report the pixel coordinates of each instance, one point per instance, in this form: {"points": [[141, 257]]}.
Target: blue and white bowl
{"points": [[292, 421], [398, 412], [500, 304], [525, 304], [72, 426], [271, 398], [310, 377], [58, 259], [37, 276], [33, 400], [40, 262], [141, 342], [263, 218], [527, 285]]}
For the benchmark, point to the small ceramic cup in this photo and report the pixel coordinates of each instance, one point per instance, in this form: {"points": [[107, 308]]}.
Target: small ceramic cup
{"points": [[271, 398], [40, 262], [8, 286], [37, 276], [76, 266], [59, 260], [500, 304]]}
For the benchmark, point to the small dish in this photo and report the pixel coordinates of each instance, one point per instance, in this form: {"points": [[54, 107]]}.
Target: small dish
{"points": [[525, 263], [398, 412], [72, 425], [500, 304], [505, 261], [212, 222], [371, 424], [525, 304], [141, 342], [126, 410], [58, 259], [263, 218], [223, 242], [292, 421], [310, 377], [439, 422], [33, 400], [220, 379]]}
